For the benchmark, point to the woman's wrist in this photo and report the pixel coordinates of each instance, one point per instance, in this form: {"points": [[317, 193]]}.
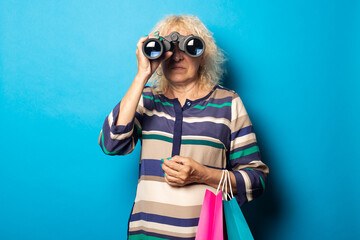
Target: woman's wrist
{"points": [[141, 79]]}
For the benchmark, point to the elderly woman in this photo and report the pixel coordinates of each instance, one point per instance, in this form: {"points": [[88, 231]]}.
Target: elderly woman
{"points": [[190, 129]]}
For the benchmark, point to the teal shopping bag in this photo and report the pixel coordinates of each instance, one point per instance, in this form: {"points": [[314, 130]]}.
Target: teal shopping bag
{"points": [[236, 225]]}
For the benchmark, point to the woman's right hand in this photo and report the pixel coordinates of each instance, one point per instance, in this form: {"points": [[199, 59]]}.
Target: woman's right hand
{"points": [[146, 68]]}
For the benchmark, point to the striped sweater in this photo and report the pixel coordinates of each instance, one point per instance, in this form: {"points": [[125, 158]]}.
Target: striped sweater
{"points": [[215, 131]]}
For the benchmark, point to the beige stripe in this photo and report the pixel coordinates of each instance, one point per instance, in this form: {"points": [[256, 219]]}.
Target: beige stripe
{"points": [[121, 136], [237, 109], [205, 155], [222, 93], [197, 137], [158, 133], [140, 107], [159, 114], [258, 165], [150, 89], [207, 119], [243, 143], [173, 230], [240, 123], [247, 137], [136, 122], [247, 185], [164, 193], [151, 178], [155, 149], [169, 210], [176, 234], [110, 119]]}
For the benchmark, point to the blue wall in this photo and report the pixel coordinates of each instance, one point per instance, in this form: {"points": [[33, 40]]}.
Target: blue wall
{"points": [[65, 64]]}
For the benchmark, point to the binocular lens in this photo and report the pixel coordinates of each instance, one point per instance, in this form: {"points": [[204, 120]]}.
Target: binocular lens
{"points": [[153, 49], [195, 47]]}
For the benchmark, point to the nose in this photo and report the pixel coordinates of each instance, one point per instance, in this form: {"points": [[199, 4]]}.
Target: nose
{"points": [[177, 53]]}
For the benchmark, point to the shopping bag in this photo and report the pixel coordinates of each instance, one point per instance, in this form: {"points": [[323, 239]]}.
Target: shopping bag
{"points": [[236, 225], [210, 225]]}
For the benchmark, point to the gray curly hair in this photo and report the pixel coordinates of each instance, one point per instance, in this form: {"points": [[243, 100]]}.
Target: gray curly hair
{"points": [[212, 70]]}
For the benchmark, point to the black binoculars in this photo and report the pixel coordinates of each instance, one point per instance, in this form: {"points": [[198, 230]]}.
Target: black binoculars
{"points": [[154, 48]]}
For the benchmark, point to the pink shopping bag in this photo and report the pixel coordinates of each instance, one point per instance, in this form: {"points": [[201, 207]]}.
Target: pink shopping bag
{"points": [[210, 225]]}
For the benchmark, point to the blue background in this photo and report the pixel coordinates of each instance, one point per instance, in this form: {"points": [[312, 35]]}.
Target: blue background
{"points": [[65, 64]]}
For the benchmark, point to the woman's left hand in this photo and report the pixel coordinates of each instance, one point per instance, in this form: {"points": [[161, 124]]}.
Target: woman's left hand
{"points": [[180, 171]]}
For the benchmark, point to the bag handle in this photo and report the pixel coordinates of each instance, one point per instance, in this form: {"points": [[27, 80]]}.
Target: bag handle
{"points": [[227, 183], [221, 181]]}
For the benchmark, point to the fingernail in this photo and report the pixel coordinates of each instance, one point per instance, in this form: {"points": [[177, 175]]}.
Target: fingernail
{"points": [[168, 158], [162, 160], [156, 32], [160, 38], [164, 174], [145, 35], [156, 35], [161, 165]]}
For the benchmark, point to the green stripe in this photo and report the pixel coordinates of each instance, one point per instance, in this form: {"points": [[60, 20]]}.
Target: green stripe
{"points": [[244, 152], [164, 103], [202, 142], [158, 137], [144, 96], [213, 105], [103, 146], [138, 130], [262, 182], [143, 236], [158, 100], [184, 141]]}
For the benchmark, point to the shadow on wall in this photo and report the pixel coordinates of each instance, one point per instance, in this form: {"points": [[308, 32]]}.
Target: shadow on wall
{"points": [[264, 212]]}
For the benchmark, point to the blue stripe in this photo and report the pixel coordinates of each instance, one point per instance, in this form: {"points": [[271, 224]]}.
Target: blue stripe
{"points": [[242, 132], [151, 167], [177, 129], [243, 147], [180, 222], [245, 159]]}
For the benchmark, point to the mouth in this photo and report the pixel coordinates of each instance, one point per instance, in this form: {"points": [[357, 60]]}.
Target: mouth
{"points": [[177, 68]]}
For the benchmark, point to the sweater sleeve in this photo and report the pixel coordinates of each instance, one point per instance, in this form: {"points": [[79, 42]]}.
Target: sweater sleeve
{"points": [[121, 139], [244, 156]]}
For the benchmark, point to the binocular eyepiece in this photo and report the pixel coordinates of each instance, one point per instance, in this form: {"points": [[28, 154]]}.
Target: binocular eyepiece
{"points": [[154, 48]]}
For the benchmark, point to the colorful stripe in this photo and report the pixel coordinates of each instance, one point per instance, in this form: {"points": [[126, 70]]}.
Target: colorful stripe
{"points": [[214, 130]]}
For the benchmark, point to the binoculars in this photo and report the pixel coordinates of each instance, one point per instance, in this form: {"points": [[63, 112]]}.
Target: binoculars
{"points": [[154, 48]]}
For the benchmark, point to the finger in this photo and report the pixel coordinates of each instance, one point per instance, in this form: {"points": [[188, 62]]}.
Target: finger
{"points": [[141, 41], [172, 164], [180, 160], [169, 171], [156, 34], [173, 181]]}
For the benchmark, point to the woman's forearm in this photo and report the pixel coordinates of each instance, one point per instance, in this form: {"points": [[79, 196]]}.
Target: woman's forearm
{"points": [[212, 178], [130, 101]]}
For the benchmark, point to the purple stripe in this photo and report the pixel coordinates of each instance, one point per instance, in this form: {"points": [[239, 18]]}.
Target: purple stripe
{"points": [[245, 159], [180, 222], [242, 132], [177, 129], [256, 186], [156, 123], [244, 147], [224, 112], [151, 167], [118, 147], [159, 235], [240, 187], [208, 129]]}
